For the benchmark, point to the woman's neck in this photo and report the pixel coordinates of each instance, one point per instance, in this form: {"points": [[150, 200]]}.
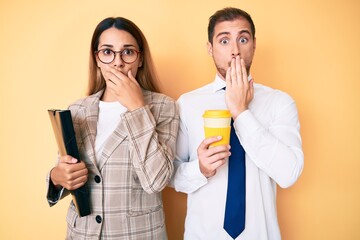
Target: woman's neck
{"points": [[108, 96]]}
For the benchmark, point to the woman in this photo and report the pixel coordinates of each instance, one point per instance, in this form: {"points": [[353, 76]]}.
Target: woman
{"points": [[126, 134]]}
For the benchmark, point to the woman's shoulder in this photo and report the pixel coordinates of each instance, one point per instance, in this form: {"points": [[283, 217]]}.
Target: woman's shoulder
{"points": [[155, 97], [161, 103], [86, 101]]}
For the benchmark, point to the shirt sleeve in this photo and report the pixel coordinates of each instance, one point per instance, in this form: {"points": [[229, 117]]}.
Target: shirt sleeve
{"points": [[53, 194], [152, 143], [277, 148], [187, 177]]}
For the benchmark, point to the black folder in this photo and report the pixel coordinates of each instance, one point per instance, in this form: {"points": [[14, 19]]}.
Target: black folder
{"points": [[65, 137]]}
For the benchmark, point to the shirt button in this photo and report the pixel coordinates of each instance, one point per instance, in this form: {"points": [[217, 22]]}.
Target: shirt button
{"points": [[98, 219], [97, 179]]}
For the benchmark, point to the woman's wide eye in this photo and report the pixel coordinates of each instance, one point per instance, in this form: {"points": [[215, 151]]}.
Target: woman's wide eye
{"points": [[128, 52], [107, 52]]}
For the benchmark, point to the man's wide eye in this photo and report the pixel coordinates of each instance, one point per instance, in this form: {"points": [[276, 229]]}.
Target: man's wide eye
{"points": [[243, 40], [224, 41]]}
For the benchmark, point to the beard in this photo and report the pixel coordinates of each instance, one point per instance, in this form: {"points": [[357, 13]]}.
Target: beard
{"points": [[221, 71]]}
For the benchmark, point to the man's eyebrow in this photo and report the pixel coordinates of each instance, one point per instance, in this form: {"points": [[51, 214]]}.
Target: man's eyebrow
{"points": [[222, 33], [245, 31], [228, 33]]}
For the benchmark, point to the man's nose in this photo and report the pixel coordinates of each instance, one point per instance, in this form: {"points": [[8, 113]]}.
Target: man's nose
{"points": [[235, 50]]}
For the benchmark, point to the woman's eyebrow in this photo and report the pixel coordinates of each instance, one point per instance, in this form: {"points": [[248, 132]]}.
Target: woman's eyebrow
{"points": [[111, 46], [107, 45]]}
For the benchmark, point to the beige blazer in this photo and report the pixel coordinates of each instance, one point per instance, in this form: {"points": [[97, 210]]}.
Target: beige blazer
{"points": [[136, 164]]}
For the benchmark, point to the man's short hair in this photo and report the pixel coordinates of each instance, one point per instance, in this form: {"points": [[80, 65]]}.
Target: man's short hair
{"points": [[228, 14]]}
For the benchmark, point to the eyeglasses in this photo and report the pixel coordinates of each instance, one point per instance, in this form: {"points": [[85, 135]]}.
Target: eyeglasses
{"points": [[127, 55]]}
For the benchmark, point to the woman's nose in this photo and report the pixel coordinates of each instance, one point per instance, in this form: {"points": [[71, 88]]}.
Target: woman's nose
{"points": [[118, 62]]}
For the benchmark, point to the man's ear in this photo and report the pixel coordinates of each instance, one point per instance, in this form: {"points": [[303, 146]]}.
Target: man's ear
{"points": [[209, 48], [254, 47]]}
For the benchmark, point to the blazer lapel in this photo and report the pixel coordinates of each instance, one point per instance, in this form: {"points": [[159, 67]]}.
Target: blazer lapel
{"points": [[89, 127], [113, 142]]}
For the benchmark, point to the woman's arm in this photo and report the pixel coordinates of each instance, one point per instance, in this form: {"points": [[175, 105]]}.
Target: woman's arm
{"points": [[152, 132]]}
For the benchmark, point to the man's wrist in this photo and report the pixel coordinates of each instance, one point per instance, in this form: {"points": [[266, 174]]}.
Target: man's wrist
{"points": [[237, 112]]}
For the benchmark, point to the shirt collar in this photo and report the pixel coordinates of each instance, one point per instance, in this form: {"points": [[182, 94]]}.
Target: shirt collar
{"points": [[219, 84]]}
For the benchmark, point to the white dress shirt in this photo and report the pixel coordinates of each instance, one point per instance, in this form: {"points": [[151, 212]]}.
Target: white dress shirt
{"points": [[269, 133]]}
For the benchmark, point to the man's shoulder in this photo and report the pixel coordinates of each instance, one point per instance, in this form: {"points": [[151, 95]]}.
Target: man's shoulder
{"points": [[193, 94], [266, 92]]}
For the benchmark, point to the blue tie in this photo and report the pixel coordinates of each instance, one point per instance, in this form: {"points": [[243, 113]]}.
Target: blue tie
{"points": [[234, 222]]}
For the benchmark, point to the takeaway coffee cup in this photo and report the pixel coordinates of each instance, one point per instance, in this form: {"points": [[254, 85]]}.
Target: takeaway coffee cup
{"points": [[217, 123]]}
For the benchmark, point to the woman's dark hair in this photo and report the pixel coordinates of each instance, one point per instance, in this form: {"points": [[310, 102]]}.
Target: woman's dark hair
{"points": [[146, 75]]}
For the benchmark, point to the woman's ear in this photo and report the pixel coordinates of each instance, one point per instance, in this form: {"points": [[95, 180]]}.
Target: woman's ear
{"points": [[141, 61], [97, 61]]}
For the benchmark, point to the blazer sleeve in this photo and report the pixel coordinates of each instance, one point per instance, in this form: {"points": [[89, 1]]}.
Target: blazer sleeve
{"points": [[152, 132]]}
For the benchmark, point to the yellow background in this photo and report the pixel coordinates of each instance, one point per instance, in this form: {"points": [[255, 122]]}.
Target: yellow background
{"points": [[308, 48]]}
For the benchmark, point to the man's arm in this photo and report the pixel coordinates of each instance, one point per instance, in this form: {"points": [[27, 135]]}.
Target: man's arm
{"points": [[192, 174], [275, 149]]}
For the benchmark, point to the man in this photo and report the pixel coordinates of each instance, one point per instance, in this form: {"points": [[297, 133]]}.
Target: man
{"points": [[266, 124]]}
